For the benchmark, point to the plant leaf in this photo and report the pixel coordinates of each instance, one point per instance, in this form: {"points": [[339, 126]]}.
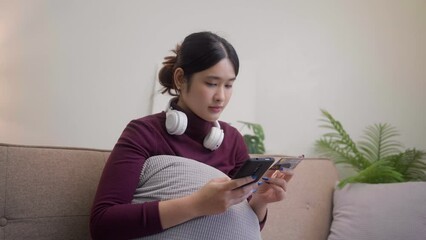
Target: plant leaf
{"points": [[378, 142], [377, 158], [378, 172], [254, 145], [256, 128], [327, 148], [338, 145], [411, 163]]}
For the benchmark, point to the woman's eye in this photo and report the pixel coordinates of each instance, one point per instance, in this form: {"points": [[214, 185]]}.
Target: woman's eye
{"points": [[211, 84], [228, 86]]}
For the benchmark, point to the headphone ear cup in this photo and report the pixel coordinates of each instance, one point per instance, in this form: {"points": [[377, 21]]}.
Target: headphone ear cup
{"points": [[213, 140], [176, 122]]}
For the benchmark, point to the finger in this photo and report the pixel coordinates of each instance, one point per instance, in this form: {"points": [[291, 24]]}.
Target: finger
{"points": [[222, 179], [277, 174], [281, 174], [285, 173], [280, 182], [279, 186], [279, 192], [288, 174], [269, 173], [237, 183], [241, 194]]}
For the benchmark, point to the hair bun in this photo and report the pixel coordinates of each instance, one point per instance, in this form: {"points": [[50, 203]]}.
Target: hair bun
{"points": [[166, 73]]}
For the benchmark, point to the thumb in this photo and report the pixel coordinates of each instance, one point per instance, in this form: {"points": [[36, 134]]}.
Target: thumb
{"points": [[269, 173]]}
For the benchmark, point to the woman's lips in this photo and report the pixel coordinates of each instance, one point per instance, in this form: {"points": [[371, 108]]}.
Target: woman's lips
{"points": [[216, 109]]}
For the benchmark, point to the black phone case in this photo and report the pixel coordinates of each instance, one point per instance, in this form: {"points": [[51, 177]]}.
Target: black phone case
{"points": [[255, 167]]}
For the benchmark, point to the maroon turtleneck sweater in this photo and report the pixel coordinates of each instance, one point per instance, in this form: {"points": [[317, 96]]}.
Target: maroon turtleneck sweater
{"points": [[113, 216]]}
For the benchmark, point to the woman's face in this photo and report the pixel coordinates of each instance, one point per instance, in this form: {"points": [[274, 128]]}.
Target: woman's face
{"points": [[209, 92]]}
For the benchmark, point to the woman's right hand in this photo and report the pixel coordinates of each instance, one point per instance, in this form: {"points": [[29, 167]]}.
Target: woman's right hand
{"points": [[221, 193], [214, 197]]}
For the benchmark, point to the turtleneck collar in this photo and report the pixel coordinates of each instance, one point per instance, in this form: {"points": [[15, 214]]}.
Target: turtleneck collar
{"points": [[197, 127]]}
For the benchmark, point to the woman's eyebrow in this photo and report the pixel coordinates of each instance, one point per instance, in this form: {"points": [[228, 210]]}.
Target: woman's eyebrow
{"points": [[212, 77]]}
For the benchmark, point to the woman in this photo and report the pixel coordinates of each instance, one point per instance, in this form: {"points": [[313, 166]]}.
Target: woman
{"points": [[201, 77]]}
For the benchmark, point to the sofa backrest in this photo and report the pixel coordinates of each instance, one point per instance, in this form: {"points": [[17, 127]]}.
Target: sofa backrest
{"points": [[47, 192]]}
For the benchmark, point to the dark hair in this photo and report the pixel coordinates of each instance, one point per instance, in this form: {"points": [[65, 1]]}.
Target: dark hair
{"points": [[198, 52]]}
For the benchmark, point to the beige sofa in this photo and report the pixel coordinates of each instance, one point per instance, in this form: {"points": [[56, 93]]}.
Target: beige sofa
{"points": [[47, 192]]}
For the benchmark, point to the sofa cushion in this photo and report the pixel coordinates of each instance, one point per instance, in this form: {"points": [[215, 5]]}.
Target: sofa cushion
{"points": [[380, 211], [166, 177]]}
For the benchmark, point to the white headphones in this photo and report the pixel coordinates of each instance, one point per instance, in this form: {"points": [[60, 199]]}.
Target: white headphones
{"points": [[176, 123]]}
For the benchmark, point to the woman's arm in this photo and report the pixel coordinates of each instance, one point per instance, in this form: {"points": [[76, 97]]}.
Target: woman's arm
{"points": [[113, 215], [213, 198]]}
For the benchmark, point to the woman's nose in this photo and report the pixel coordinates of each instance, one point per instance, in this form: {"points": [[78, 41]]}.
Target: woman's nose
{"points": [[220, 94]]}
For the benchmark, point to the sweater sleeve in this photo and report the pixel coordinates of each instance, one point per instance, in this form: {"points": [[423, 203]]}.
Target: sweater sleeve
{"points": [[113, 215]]}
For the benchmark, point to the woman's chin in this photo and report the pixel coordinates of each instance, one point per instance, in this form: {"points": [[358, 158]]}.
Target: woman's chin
{"points": [[212, 118]]}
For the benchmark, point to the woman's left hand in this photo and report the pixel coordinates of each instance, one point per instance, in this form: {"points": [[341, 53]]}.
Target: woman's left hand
{"points": [[273, 186], [272, 189]]}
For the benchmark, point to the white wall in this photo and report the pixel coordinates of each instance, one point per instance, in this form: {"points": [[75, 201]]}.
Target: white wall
{"points": [[73, 73]]}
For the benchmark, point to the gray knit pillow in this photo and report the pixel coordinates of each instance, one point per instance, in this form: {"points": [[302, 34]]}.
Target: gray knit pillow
{"points": [[167, 177]]}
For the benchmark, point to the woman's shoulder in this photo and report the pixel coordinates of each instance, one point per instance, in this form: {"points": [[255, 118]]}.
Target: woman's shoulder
{"points": [[156, 118], [228, 128], [149, 122]]}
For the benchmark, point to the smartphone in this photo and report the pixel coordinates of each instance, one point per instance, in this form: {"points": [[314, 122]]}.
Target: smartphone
{"points": [[254, 167], [287, 163]]}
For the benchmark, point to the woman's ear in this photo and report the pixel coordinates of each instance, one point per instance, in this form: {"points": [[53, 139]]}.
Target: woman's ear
{"points": [[178, 78]]}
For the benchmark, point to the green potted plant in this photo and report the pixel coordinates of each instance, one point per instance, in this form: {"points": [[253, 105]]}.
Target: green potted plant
{"points": [[254, 139], [378, 158]]}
